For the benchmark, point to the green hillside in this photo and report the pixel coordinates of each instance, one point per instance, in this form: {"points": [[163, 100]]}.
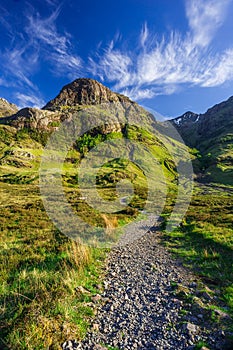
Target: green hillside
{"points": [[47, 280], [211, 134]]}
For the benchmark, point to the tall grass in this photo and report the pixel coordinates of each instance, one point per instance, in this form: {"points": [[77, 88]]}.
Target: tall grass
{"points": [[204, 241], [40, 270]]}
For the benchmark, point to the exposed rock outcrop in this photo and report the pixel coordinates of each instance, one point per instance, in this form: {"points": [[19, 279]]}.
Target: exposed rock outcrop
{"points": [[84, 92], [33, 118], [90, 103], [7, 108]]}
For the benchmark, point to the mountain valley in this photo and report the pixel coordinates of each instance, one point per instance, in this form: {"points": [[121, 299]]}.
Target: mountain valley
{"points": [[52, 286]]}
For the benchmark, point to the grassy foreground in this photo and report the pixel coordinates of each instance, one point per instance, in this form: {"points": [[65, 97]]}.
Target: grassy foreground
{"points": [[204, 241], [41, 271]]}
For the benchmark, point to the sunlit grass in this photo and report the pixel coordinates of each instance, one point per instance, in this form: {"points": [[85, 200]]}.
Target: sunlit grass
{"points": [[40, 270], [204, 241]]}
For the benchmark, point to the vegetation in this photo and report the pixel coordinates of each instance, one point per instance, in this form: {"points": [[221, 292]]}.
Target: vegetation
{"points": [[42, 271], [204, 241]]}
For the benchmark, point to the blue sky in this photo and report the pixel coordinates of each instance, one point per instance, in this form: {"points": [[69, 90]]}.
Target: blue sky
{"points": [[168, 55]]}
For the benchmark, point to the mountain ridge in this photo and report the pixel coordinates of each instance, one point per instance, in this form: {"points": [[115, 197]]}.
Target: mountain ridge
{"points": [[210, 133], [84, 91], [7, 108], [206, 123], [76, 97]]}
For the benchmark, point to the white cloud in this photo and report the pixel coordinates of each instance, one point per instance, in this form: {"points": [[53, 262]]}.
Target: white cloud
{"points": [[38, 41], [144, 35], [53, 3], [16, 64], [139, 94], [155, 65], [221, 72], [4, 82], [56, 47], [162, 66], [113, 65], [29, 101], [205, 17]]}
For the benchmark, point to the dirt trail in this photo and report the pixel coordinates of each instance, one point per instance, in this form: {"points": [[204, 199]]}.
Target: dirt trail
{"points": [[150, 301]]}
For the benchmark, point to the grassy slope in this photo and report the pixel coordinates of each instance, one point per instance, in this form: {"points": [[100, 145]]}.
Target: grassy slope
{"points": [[204, 241], [41, 269], [40, 303], [217, 159], [213, 137]]}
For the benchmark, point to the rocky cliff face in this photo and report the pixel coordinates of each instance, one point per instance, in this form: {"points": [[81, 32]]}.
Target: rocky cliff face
{"points": [[216, 121], [7, 108], [212, 134], [197, 128], [33, 118], [84, 92], [86, 100]]}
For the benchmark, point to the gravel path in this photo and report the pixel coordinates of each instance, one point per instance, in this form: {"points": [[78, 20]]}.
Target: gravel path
{"points": [[149, 302]]}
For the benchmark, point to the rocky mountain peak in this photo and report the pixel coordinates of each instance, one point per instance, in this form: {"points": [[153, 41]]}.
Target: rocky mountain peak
{"points": [[7, 108], [186, 118], [82, 96], [84, 91]]}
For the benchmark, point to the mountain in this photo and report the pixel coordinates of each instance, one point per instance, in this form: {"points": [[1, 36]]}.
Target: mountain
{"points": [[84, 91], [96, 114], [75, 98], [211, 134], [7, 108], [92, 104]]}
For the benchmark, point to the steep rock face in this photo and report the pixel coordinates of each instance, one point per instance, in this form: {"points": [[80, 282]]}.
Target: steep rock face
{"points": [[84, 92], [32, 118], [216, 121], [195, 128], [90, 103], [186, 119], [212, 134], [7, 108]]}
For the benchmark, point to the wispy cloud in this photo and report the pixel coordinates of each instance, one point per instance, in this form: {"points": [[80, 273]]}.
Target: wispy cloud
{"points": [[56, 47], [144, 35], [221, 71], [29, 100], [162, 66], [15, 63], [205, 17], [38, 41], [54, 3], [4, 82], [113, 65], [154, 66]]}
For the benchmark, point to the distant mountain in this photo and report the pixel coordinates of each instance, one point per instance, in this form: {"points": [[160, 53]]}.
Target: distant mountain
{"points": [[7, 108], [186, 119], [212, 134]]}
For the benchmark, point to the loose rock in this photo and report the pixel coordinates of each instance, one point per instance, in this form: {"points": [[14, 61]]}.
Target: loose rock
{"points": [[142, 309]]}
